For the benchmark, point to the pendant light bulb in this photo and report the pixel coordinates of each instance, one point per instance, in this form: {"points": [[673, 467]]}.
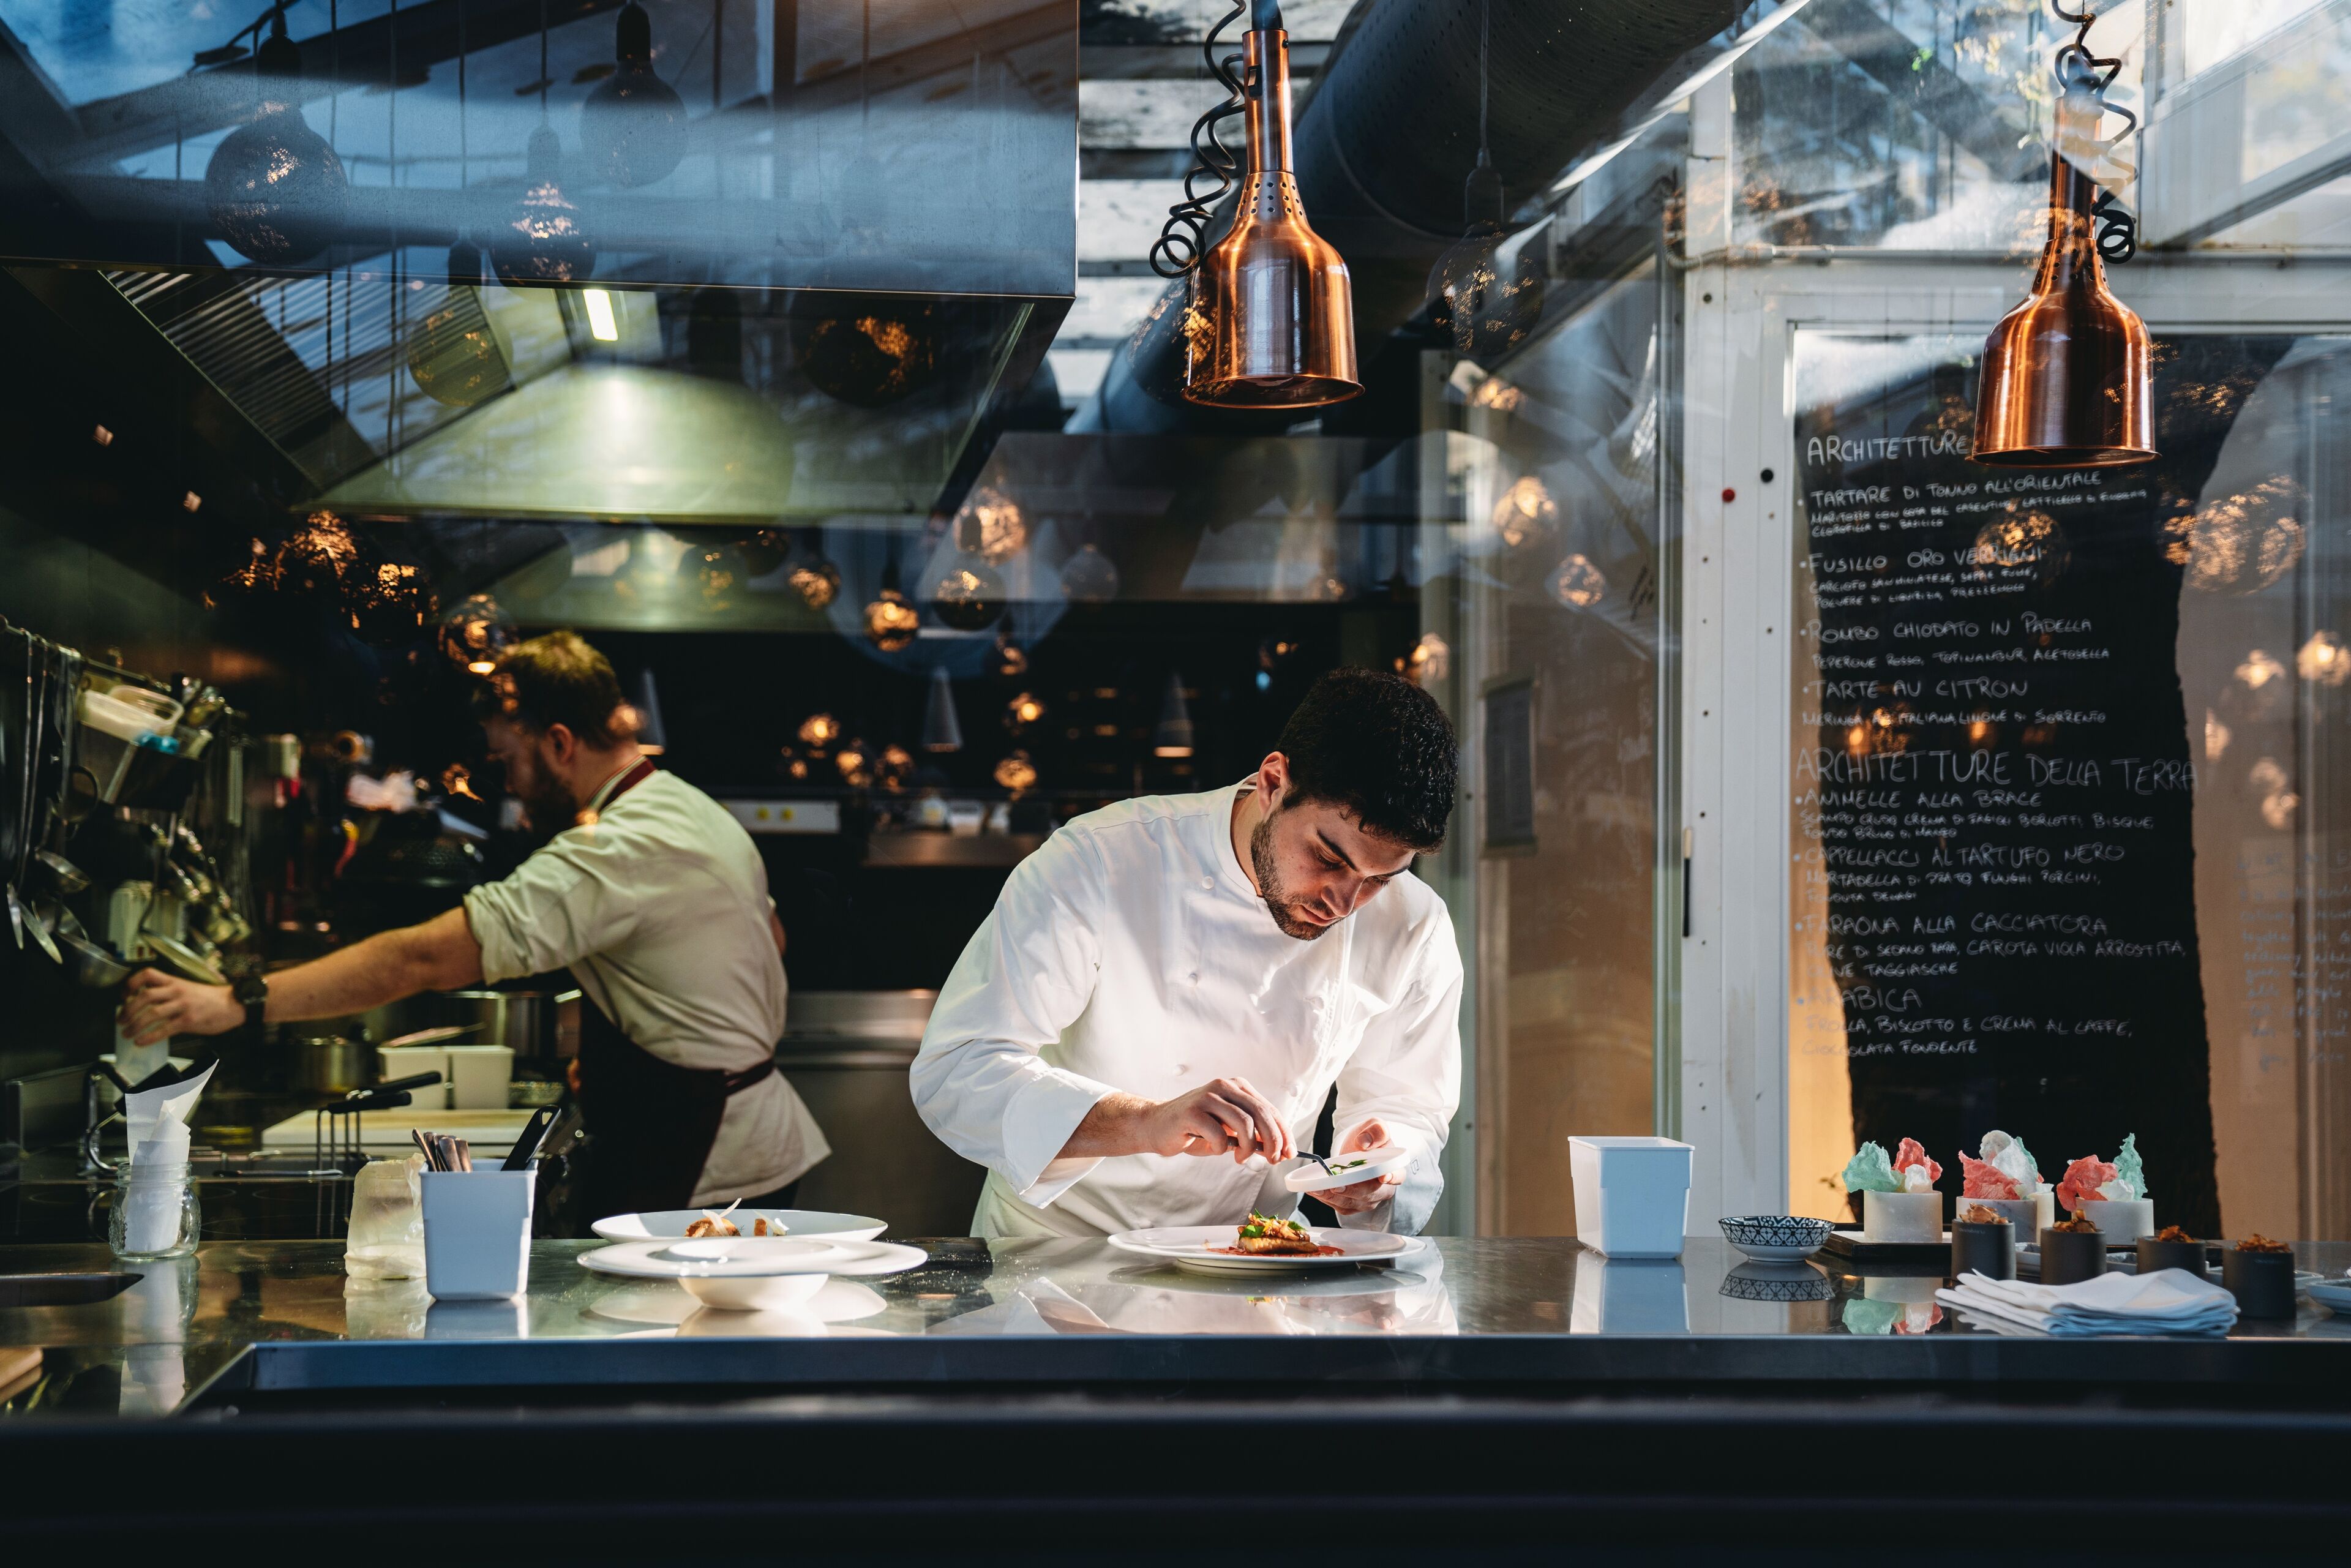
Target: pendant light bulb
{"points": [[542, 240], [942, 731], [1272, 318], [1088, 577], [968, 593], [891, 621], [454, 354], [274, 188], [1488, 314], [1172, 736], [2067, 379], [632, 127]]}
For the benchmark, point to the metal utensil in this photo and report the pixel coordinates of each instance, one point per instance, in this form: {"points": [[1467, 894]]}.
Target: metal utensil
{"points": [[429, 1037], [64, 878], [88, 964], [526, 1144], [38, 926], [184, 958]]}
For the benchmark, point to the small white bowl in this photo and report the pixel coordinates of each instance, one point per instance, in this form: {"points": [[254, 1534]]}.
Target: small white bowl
{"points": [[753, 1293]]}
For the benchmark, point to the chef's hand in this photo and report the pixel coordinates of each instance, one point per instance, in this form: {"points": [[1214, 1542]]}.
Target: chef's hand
{"points": [[1364, 1196], [1225, 1116], [156, 1005]]}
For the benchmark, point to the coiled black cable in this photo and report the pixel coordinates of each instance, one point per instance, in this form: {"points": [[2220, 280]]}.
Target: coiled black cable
{"points": [[1185, 236], [2077, 69]]}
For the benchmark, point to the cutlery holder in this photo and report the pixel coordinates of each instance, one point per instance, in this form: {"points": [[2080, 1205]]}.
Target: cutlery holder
{"points": [[476, 1234]]}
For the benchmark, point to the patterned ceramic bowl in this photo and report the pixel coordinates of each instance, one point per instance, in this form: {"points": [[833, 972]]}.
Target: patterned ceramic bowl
{"points": [[1776, 1237], [1777, 1282]]}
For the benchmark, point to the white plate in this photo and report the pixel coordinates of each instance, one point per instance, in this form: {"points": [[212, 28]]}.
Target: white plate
{"points": [[1194, 1247], [745, 1259], [1362, 1165], [1304, 1287], [795, 1221], [2334, 1295]]}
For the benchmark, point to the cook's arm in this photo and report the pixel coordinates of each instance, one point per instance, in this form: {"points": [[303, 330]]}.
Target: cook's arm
{"points": [[572, 898], [438, 955], [1407, 1073], [979, 1082]]}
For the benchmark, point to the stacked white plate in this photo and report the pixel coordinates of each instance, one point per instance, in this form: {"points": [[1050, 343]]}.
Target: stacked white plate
{"points": [[1207, 1250], [661, 1222], [748, 1274]]}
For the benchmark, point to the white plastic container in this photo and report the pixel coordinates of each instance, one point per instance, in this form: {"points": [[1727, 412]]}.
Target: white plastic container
{"points": [[2029, 1216], [2121, 1221], [407, 1060], [478, 1234], [1628, 1295], [478, 1076], [1632, 1195], [1902, 1217]]}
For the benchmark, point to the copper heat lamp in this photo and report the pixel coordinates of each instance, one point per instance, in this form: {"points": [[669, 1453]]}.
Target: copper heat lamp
{"points": [[2066, 377], [1272, 319]]}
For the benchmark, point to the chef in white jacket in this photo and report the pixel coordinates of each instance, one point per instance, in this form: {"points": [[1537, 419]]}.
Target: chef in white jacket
{"points": [[1145, 1028]]}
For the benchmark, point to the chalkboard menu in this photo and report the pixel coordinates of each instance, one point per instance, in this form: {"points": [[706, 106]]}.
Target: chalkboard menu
{"points": [[1993, 913]]}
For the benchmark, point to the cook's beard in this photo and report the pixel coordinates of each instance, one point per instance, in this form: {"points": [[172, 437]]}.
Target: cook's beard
{"points": [[1268, 885], [551, 807]]}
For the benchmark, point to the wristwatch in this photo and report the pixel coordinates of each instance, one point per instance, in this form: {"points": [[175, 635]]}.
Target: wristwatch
{"points": [[252, 988]]}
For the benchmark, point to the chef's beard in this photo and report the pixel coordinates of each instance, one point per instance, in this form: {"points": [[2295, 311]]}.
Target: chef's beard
{"points": [[1283, 908], [550, 806]]}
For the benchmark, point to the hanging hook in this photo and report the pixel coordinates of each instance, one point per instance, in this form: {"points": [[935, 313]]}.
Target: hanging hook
{"points": [[2079, 71]]}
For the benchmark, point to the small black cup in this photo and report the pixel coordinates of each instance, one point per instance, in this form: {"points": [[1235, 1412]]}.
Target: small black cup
{"points": [[1987, 1249], [2263, 1283], [2069, 1257], [2154, 1255]]}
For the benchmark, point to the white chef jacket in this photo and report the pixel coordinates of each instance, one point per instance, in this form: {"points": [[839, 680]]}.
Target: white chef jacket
{"points": [[658, 907], [1131, 953]]}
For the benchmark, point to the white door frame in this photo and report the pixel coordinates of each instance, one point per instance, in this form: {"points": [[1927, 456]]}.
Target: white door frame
{"points": [[1739, 410]]}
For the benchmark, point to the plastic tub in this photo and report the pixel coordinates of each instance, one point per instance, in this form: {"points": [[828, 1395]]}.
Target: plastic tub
{"points": [[1632, 1195]]}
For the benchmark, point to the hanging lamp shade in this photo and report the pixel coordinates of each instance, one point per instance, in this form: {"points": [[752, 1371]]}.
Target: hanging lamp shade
{"points": [[453, 353], [542, 240], [891, 620], [942, 731], [968, 593], [1488, 314], [274, 188], [2067, 376], [1172, 736], [632, 127], [1271, 321]]}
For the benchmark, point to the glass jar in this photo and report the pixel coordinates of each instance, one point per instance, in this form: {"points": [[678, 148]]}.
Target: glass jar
{"points": [[155, 1212]]}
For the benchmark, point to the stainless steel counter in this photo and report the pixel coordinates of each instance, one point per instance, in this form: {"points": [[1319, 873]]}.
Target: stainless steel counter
{"points": [[1522, 1390], [278, 1317]]}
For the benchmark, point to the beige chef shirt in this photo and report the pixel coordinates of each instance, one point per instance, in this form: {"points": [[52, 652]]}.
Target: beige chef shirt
{"points": [[658, 907]]}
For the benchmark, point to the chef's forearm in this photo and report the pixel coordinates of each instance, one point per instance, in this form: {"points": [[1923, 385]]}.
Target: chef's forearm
{"points": [[437, 955], [1113, 1127]]}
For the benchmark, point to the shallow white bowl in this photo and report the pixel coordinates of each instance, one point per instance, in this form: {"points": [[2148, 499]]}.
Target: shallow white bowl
{"points": [[753, 1293]]}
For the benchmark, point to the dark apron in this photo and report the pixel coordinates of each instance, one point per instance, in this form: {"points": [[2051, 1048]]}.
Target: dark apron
{"points": [[651, 1124]]}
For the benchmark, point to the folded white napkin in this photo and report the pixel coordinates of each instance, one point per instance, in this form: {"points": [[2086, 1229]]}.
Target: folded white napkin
{"points": [[143, 1109], [2167, 1302]]}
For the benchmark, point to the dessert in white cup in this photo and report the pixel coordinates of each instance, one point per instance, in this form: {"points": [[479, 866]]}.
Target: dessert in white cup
{"points": [[1898, 1200]]}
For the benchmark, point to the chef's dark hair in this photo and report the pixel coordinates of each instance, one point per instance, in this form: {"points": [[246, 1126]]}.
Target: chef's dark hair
{"points": [[559, 679], [1378, 747]]}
